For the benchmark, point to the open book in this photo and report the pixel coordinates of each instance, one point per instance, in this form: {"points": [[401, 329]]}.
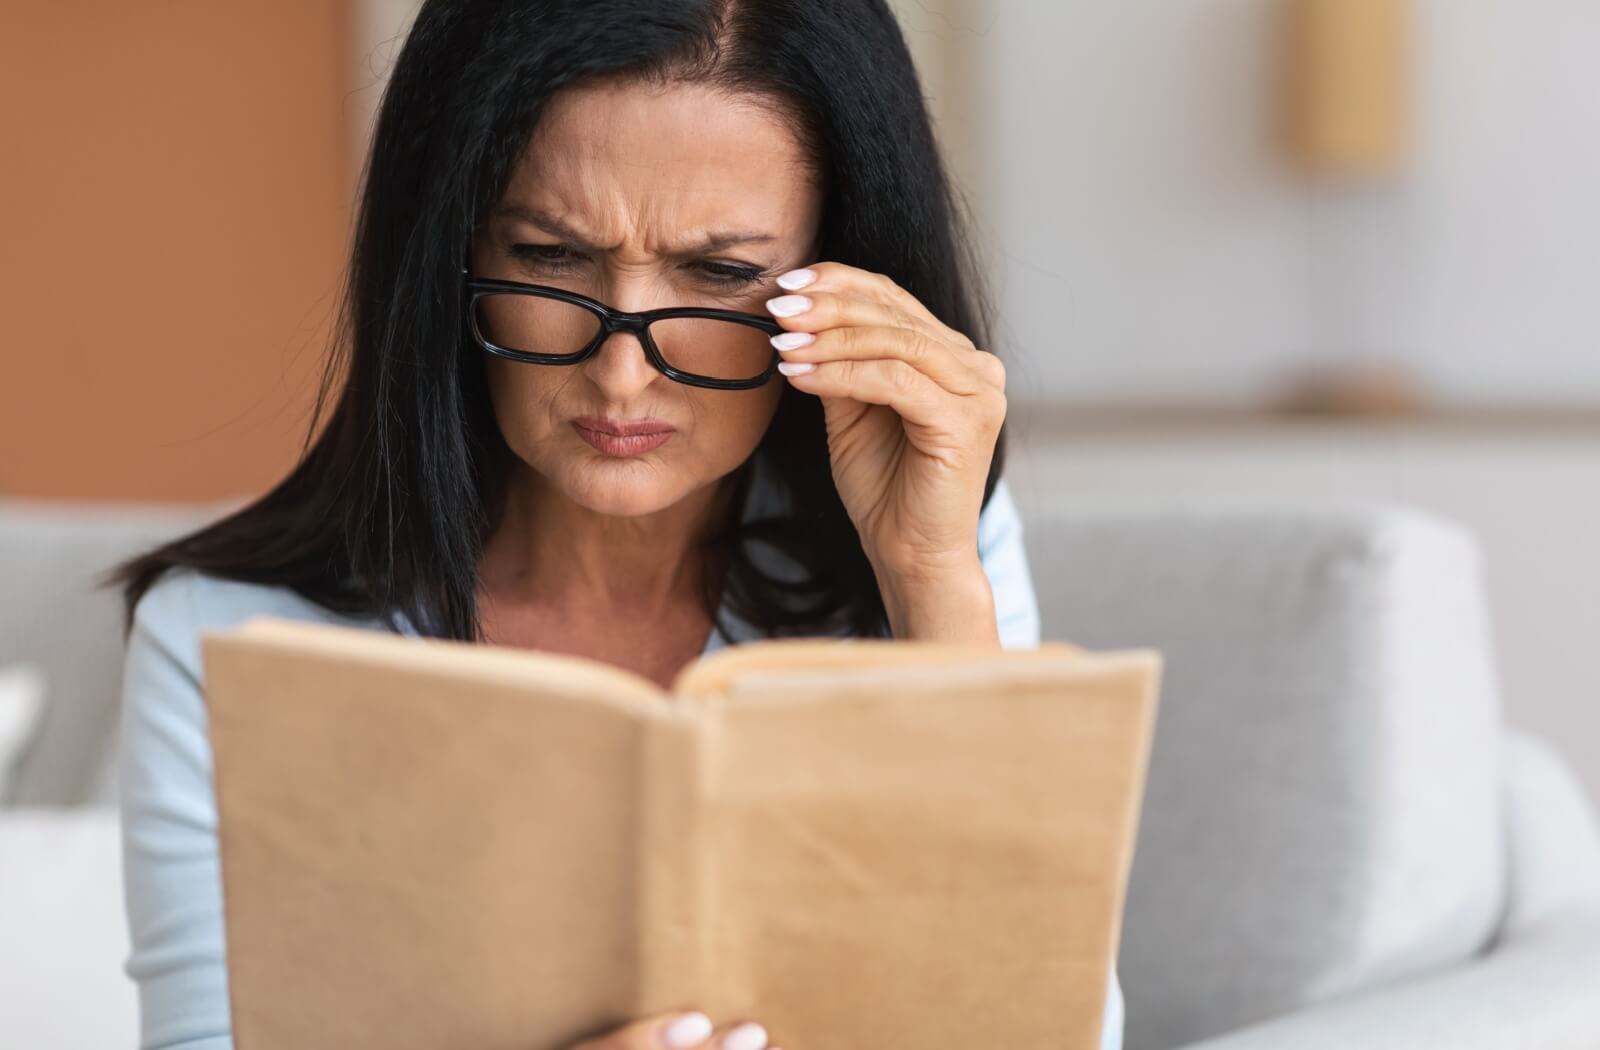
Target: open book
{"points": [[860, 843]]}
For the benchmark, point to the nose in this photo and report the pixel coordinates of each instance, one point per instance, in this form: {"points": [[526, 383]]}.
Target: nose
{"points": [[620, 369]]}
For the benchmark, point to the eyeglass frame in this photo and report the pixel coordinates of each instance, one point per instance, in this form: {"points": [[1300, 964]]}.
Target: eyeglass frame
{"points": [[611, 322]]}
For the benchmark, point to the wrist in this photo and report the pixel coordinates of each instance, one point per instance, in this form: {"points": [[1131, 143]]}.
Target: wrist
{"points": [[950, 602]]}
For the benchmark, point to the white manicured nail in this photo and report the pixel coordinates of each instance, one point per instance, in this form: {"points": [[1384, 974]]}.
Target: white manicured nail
{"points": [[747, 1036], [796, 368], [796, 279], [789, 305], [690, 1029], [793, 340]]}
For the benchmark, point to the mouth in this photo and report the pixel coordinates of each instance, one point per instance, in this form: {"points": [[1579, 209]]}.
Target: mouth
{"points": [[616, 438]]}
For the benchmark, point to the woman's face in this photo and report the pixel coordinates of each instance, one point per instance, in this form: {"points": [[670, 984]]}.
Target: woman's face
{"points": [[619, 188]]}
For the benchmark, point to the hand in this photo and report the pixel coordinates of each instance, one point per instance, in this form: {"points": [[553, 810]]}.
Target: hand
{"points": [[912, 408], [679, 1030]]}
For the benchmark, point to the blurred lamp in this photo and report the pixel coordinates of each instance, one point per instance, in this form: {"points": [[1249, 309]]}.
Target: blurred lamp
{"points": [[1346, 109], [1346, 84]]}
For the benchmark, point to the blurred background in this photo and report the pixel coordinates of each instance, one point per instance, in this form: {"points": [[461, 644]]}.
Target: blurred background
{"points": [[1240, 249]]}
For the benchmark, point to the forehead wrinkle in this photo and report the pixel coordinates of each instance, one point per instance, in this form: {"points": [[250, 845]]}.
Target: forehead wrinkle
{"points": [[586, 170], [699, 239]]}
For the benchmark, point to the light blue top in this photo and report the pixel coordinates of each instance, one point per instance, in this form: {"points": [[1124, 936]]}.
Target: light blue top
{"points": [[171, 872]]}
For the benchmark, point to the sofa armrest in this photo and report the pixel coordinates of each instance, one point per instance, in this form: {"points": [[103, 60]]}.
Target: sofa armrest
{"points": [[1534, 988], [1536, 994]]}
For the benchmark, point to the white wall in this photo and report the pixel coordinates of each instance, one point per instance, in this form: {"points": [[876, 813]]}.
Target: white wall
{"points": [[1150, 242]]}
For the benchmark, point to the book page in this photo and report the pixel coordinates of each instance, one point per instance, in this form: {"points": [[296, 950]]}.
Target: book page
{"points": [[427, 844], [488, 663], [920, 855], [715, 673]]}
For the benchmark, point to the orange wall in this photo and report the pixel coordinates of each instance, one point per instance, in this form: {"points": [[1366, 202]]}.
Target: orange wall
{"points": [[174, 209]]}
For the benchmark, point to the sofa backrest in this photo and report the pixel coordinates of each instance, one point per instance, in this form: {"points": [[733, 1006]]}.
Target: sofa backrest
{"points": [[1323, 811]]}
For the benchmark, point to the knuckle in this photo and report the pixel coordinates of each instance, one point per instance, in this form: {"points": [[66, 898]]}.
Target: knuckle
{"points": [[996, 368], [890, 284], [913, 345]]}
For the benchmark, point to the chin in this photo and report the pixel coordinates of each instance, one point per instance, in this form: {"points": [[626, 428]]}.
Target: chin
{"points": [[622, 488]]}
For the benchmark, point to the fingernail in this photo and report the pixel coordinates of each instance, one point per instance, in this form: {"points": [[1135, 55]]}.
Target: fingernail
{"points": [[789, 305], [686, 1030], [747, 1036], [795, 279], [792, 340], [796, 368]]}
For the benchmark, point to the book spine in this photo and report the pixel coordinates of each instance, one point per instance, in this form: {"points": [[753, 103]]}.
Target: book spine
{"points": [[673, 935]]}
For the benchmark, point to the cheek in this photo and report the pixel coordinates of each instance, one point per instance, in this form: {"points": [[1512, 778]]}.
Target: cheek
{"points": [[731, 423], [521, 398]]}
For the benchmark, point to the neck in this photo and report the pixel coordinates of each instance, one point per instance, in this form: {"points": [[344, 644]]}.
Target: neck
{"points": [[550, 551]]}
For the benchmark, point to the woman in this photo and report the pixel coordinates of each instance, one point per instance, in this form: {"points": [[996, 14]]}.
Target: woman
{"points": [[513, 458]]}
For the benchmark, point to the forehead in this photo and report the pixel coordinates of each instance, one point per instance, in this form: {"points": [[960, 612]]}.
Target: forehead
{"points": [[624, 158]]}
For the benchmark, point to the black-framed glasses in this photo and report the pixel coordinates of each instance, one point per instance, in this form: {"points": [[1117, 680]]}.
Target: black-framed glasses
{"points": [[700, 346]]}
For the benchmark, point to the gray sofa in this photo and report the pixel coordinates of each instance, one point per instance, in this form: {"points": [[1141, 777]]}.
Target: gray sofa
{"points": [[1342, 844]]}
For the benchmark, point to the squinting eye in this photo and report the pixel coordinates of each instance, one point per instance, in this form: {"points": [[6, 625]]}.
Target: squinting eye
{"points": [[557, 256], [731, 275], [533, 252]]}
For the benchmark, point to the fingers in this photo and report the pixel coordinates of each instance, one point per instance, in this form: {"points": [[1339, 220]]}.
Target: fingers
{"points": [[852, 313], [959, 374], [812, 311], [680, 1030], [911, 394], [845, 279], [843, 295]]}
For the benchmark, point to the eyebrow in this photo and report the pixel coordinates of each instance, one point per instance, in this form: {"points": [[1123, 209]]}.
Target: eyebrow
{"points": [[710, 243]]}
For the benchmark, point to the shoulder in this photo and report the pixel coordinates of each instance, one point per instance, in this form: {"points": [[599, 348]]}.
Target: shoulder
{"points": [[183, 603], [164, 751]]}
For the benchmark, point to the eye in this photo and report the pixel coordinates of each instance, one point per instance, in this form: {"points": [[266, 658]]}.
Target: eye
{"points": [[731, 276], [555, 254], [559, 257]]}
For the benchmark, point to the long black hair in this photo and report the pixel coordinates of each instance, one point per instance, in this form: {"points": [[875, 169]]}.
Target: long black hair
{"points": [[389, 506]]}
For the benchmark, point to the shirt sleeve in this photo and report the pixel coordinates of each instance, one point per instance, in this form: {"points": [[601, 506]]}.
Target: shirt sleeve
{"points": [[1016, 608], [171, 877], [1005, 561]]}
